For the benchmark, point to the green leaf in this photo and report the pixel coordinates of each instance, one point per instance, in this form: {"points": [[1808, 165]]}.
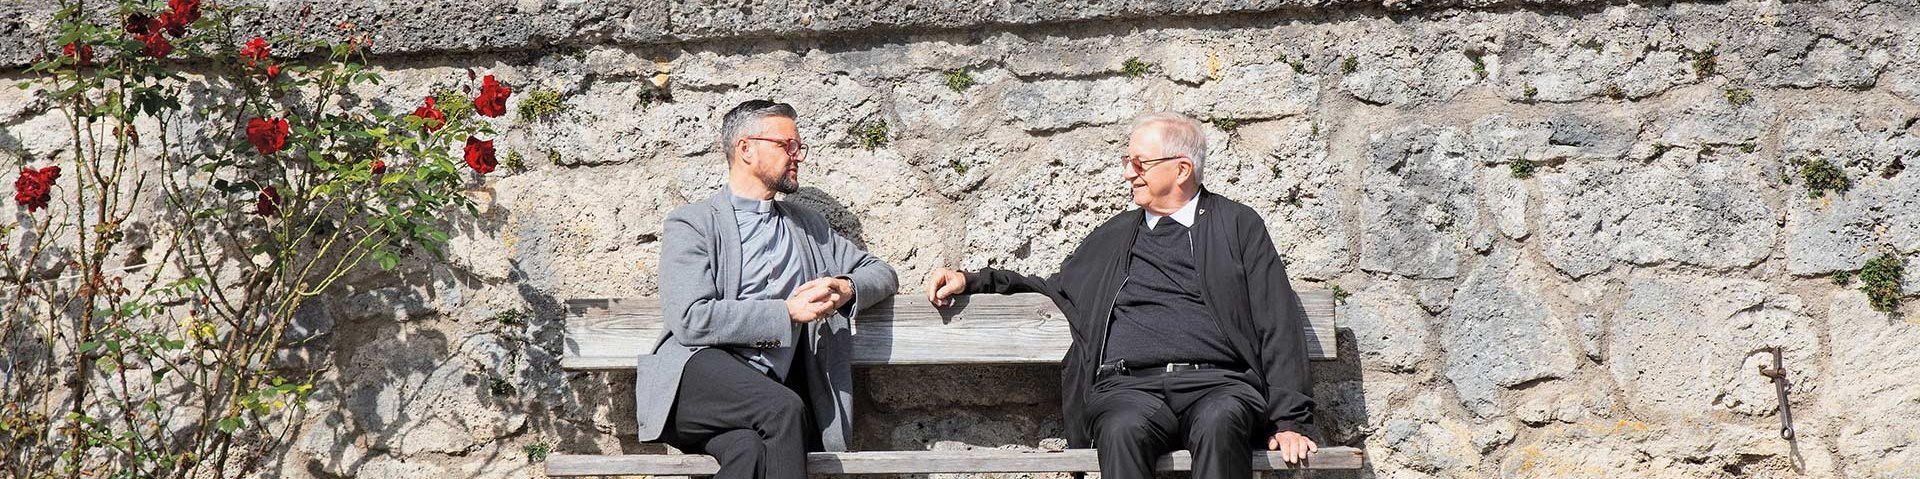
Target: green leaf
{"points": [[229, 424]]}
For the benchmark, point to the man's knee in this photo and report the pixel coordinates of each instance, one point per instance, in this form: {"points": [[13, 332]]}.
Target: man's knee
{"points": [[782, 411], [1220, 423], [738, 445], [1127, 428]]}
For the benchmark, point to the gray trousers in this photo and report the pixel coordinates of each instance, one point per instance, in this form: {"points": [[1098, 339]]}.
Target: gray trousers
{"points": [[755, 426]]}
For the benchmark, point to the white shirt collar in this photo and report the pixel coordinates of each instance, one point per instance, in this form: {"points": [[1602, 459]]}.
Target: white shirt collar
{"points": [[747, 205], [1184, 215]]}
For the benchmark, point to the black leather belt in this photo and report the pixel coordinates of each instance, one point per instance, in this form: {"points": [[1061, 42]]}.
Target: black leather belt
{"points": [[1170, 368], [1121, 367]]}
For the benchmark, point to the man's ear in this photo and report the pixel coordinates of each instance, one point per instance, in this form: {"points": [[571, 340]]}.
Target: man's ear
{"points": [[740, 152]]}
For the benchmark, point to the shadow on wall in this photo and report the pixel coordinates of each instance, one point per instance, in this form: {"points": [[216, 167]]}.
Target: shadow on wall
{"points": [[1340, 394], [414, 383], [842, 219]]}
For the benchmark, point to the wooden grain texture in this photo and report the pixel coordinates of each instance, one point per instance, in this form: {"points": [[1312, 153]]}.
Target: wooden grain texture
{"points": [[924, 462], [607, 334]]}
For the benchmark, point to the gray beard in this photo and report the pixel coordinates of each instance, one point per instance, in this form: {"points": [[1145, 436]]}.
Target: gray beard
{"points": [[786, 185]]}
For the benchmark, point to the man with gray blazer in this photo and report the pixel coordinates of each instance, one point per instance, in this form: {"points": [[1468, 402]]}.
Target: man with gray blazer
{"points": [[757, 295]]}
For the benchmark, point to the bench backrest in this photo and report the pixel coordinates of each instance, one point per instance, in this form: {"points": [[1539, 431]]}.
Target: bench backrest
{"points": [[607, 334]]}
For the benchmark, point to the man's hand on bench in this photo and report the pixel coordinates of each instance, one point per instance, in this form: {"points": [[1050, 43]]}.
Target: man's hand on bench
{"points": [[942, 285], [1292, 446], [818, 298]]}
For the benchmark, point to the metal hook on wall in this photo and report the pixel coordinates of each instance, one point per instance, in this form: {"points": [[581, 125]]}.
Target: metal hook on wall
{"points": [[1780, 385]]}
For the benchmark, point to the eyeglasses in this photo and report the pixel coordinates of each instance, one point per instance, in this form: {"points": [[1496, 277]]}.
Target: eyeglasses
{"points": [[1135, 165], [794, 148]]}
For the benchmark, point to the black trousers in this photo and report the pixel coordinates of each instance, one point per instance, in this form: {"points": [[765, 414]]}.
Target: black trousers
{"points": [[1211, 412], [755, 426]]}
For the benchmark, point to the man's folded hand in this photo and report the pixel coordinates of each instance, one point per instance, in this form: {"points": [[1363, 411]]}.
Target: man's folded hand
{"points": [[943, 284], [812, 301]]}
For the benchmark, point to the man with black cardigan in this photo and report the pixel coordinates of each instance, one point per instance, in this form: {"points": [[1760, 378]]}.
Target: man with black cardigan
{"points": [[1186, 332]]}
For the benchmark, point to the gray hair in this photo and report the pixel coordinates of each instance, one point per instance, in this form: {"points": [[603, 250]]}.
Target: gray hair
{"points": [[1179, 136], [744, 120]]}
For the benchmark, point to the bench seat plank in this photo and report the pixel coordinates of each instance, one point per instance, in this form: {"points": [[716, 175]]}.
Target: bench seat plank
{"points": [[607, 334], [922, 462]]}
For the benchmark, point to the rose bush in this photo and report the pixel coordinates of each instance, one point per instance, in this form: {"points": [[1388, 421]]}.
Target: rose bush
{"points": [[163, 366]]}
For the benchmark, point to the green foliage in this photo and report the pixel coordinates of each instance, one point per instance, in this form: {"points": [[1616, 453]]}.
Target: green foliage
{"points": [[1340, 294], [1298, 68], [457, 106], [1223, 123], [1820, 177], [650, 95], [501, 387], [1522, 168], [1705, 62], [539, 104], [959, 80], [1479, 64], [515, 162], [869, 134], [1350, 65], [1880, 279], [537, 452], [957, 167], [1660, 149], [1529, 91], [511, 317], [1134, 68], [1749, 147], [1738, 96]]}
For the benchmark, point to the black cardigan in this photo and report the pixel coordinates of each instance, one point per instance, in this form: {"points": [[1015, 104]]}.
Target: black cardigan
{"points": [[1244, 284]]}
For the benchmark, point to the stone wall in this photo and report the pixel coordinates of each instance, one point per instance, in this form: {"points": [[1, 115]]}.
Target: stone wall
{"points": [[1587, 321]]}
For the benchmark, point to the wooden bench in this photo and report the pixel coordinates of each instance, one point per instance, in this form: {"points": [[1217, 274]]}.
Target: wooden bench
{"points": [[603, 334]]}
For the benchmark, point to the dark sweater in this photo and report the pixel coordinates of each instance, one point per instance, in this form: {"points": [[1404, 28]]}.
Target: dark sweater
{"points": [[1159, 316]]}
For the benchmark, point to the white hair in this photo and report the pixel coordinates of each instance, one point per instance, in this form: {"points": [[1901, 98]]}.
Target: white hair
{"points": [[1179, 135]]}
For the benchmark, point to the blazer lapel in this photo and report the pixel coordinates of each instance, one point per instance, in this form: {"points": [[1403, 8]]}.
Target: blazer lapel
{"points": [[728, 230]]}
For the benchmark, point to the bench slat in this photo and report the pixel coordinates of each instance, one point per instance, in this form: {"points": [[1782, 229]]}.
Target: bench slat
{"points": [[607, 334], [923, 462]]}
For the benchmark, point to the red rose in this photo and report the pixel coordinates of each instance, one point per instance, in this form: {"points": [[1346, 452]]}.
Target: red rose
{"points": [[267, 135], [82, 54], [157, 45], [492, 101], [140, 24], [268, 203], [429, 112], [255, 51], [379, 166], [480, 155], [180, 15], [34, 187]]}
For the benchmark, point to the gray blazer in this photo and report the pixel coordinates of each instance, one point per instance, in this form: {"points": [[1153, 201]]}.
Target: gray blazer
{"points": [[699, 279]]}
